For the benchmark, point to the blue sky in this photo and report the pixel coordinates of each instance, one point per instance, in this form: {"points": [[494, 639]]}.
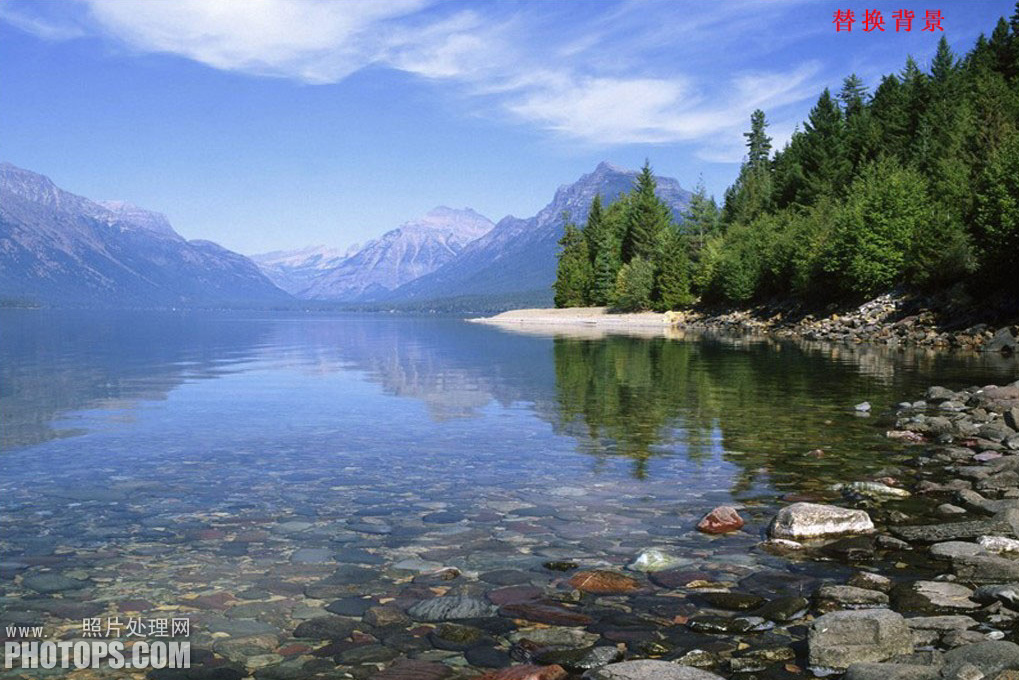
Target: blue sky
{"points": [[274, 124]]}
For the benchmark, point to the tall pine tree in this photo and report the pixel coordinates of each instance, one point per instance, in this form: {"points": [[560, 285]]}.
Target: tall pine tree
{"points": [[603, 252], [573, 275], [825, 159], [672, 275], [647, 218], [750, 195]]}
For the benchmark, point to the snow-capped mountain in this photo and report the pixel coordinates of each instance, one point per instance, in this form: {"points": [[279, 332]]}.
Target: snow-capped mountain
{"points": [[412, 250], [294, 270]]}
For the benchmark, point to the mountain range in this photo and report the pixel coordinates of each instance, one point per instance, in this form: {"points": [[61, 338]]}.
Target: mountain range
{"points": [[58, 248], [519, 255], [451, 254], [412, 250]]}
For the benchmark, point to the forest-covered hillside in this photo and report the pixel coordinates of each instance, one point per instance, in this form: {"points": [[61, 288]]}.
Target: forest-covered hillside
{"points": [[910, 182]]}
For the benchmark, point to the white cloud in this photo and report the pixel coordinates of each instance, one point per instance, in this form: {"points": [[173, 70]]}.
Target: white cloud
{"points": [[611, 110], [598, 74], [313, 41], [621, 111], [40, 25]]}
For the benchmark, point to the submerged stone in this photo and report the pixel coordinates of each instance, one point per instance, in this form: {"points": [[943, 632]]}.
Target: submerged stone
{"points": [[813, 520], [527, 672], [53, 583], [451, 607], [733, 601], [648, 669], [654, 559], [545, 613], [601, 582], [325, 628], [721, 520]]}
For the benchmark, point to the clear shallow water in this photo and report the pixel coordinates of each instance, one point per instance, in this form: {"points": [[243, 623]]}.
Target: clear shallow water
{"points": [[163, 456]]}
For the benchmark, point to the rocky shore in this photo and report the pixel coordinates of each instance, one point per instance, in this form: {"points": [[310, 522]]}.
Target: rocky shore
{"points": [[895, 320], [957, 623], [890, 319]]}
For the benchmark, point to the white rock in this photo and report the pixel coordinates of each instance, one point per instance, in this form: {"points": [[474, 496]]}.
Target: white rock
{"points": [[813, 520], [998, 544], [654, 559], [648, 669]]}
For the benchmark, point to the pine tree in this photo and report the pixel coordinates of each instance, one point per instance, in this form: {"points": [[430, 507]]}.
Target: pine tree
{"points": [[758, 143], [788, 181], [889, 110], [825, 161], [594, 228], [853, 95], [996, 218], [672, 272], [750, 194], [1012, 64], [603, 253], [861, 136], [647, 217], [701, 217], [573, 275], [943, 66], [1001, 47]]}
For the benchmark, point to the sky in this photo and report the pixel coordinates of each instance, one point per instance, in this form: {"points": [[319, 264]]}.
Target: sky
{"points": [[276, 124]]}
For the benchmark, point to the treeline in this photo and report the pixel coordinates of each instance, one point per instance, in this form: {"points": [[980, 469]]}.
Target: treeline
{"points": [[914, 184]]}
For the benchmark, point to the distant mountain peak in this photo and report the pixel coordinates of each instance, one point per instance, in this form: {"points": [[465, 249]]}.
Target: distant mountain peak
{"points": [[519, 255], [414, 249], [462, 223], [135, 216], [606, 167]]}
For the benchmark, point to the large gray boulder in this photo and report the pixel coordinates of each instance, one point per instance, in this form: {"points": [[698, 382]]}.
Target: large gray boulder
{"points": [[647, 669], [985, 568], [840, 639], [813, 520], [990, 657]]}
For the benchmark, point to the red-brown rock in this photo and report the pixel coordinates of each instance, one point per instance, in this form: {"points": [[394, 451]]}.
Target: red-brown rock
{"points": [[526, 672], [599, 582], [220, 600], [414, 669], [511, 594], [552, 614], [721, 520]]}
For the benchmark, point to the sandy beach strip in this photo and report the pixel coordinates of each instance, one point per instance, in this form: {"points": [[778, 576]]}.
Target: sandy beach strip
{"points": [[592, 317]]}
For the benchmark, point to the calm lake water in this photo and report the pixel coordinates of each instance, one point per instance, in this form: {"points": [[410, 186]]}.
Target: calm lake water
{"points": [[200, 462]]}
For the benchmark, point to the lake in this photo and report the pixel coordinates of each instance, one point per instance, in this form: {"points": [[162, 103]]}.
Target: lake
{"points": [[249, 470]]}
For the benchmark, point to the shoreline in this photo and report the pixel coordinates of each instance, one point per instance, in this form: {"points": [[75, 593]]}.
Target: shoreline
{"points": [[893, 321], [600, 317]]}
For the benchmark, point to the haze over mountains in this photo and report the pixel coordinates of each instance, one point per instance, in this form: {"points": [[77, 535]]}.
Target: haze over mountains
{"points": [[57, 248], [456, 253], [382, 265]]}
